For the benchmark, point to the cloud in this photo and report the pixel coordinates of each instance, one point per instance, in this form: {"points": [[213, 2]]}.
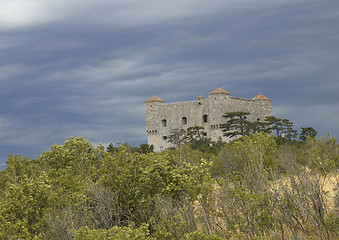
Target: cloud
{"points": [[11, 71], [85, 68], [16, 14], [314, 115], [5, 123]]}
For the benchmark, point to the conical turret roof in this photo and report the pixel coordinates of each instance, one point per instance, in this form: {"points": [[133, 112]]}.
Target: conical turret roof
{"points": [[154, 99], [260, 97], [219, 90]]}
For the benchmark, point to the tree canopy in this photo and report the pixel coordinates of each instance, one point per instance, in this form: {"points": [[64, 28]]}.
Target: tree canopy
{"points": [[251, 188], [237, 124], [307, 132]]}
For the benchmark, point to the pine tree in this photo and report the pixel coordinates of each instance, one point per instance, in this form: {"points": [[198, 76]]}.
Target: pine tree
{"points": [[288, 130], [276, 125], [307, 131], [236, 125]]}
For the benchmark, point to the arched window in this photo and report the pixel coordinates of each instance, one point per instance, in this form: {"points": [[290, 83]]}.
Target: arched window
{"points": [[184, 121], [258, 119], [205, 118], [164, 122]]}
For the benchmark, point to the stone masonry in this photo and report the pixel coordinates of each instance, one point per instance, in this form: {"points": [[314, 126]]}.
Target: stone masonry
{"points": [[162, 118]]}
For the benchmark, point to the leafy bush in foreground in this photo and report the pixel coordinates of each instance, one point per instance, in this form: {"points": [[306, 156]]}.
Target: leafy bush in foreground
{"points": [[252, 189]]}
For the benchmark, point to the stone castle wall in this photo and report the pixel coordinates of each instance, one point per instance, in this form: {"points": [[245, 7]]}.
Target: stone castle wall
{"points": [[161, 118]]}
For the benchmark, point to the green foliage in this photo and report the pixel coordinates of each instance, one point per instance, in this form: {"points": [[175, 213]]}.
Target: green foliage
{"points": [[250, 154], [288, 131], [247, 211], [177, 228], [114, 233], [177, 137], [276, 125], [199, 236], [321, 155], [145, 148], [332, 222], [251, 188], [112, 149], [283, 129], [140, 178], [23, 206], [195, 134], [307, 132], [237, 124], [76, 154]]}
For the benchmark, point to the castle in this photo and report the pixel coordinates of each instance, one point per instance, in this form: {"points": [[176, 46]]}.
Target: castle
{"points": [[162, 118]]}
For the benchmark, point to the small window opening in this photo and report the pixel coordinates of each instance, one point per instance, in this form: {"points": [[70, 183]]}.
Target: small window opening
{"points": [[205, 118], [258, 119], [164, 137], [164, 122], [184, 121]]}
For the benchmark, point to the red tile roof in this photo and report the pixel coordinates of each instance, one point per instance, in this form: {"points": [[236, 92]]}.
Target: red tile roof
{"points": [[154, 99], [219, 90], [260, 97]]}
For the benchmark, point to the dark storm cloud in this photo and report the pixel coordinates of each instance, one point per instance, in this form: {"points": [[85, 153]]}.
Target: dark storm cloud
{"points": [[85, 68]]}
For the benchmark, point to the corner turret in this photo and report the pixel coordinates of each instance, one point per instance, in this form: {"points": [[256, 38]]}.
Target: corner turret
{"points": [[260, 97], [154, 99], [219, 91]]}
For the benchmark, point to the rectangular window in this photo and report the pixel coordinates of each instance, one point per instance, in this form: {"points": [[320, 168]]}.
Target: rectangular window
{"points": [[205, 118]]}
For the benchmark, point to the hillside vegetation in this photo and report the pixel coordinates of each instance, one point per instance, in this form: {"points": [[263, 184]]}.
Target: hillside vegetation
{"points": [[252, 188]]}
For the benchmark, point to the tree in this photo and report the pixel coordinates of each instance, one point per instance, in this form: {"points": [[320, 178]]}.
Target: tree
{"points": [[114, 233], [23, 207], [138, 179], [288, 130], [307, 132], [253, 188], [195, 134], [177, 137], [276, 124], [237, 124], [256, 127], [246, 167], [197, 139], [146, 148], [282, 127], [112, 149]]}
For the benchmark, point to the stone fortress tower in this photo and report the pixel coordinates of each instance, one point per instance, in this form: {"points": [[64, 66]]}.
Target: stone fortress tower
{"points": [[162, 118]]}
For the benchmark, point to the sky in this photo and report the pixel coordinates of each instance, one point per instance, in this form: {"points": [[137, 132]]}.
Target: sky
{"points": [[84, 68]]}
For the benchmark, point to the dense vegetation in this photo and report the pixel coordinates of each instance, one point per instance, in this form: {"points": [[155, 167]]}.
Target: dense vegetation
{"points": [[256, 187]]}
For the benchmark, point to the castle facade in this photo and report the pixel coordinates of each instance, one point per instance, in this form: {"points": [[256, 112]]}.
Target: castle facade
{"points": [[162, 118]]}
